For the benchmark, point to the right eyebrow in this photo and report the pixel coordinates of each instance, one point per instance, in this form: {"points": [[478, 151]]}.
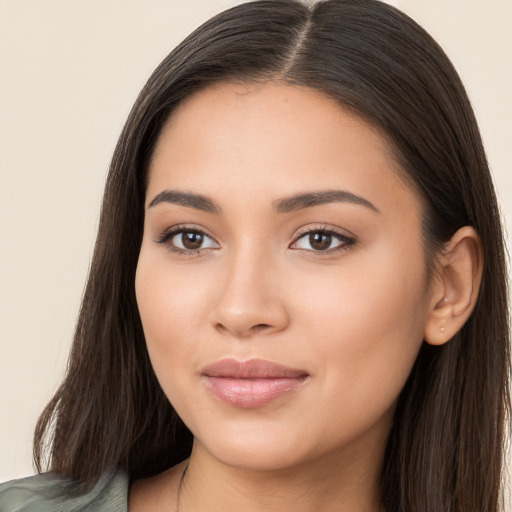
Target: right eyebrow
{"points": [[188, 199]]}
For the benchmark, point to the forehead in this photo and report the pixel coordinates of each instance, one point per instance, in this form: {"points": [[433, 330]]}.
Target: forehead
{"points": [[272, 140]]}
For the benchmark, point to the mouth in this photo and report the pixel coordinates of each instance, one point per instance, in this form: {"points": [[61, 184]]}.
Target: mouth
{"points": [[253, 383]]}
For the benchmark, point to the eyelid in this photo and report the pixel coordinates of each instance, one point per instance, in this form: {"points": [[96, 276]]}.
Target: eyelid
{"points": [[171, 231], [348, 239]]}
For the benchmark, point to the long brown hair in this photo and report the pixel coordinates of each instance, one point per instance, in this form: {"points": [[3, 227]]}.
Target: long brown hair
{"points": [[445, 449]]}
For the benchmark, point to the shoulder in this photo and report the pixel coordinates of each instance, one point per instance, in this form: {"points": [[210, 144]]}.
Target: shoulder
{"points": [[50, 492]]}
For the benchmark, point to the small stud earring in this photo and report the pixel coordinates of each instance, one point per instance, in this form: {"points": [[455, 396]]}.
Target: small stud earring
{"points": [[442, 329]]}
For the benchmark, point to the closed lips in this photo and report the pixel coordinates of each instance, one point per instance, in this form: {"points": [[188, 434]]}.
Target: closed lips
{"points": [[251, 384], [251, 369]]}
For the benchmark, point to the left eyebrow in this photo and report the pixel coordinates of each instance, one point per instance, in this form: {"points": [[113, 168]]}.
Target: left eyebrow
{"points": [[310, 199]]}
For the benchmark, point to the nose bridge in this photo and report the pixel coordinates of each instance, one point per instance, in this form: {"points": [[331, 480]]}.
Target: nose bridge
{"points": [[248, 299]]}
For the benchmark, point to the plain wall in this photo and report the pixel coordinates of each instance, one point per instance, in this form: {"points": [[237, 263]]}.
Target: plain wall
{"points": [[70, 72]]}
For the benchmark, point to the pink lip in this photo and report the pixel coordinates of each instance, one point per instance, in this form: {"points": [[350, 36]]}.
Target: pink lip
{"points": [[251, 384]]}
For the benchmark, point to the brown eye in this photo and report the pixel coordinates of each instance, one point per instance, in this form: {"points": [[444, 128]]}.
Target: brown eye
{"points": [[191, 240], [181, 240], [320, 241]]}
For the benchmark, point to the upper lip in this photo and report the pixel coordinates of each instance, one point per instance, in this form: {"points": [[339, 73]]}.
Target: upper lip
{"points": [[251, 369]]}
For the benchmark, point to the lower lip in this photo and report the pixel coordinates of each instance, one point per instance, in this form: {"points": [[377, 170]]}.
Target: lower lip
{"points": [[252, 393]]}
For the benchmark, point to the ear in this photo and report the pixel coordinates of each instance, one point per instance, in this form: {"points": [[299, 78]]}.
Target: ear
{"points": [[455, 286]]}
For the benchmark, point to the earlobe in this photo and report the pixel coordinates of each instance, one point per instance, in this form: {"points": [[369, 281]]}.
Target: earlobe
{"points": [[456, 286]]}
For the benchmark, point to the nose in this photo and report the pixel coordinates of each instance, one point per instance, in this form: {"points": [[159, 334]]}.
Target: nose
{"points": [[249, 301]]}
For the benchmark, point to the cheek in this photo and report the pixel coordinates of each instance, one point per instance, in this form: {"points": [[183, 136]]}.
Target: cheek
{"points": [[169, 295], [367, 323], [169, 305]]}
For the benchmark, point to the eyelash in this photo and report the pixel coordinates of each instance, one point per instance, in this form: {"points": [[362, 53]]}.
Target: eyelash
{"points": [[170, 233], [346, 241], [167, 235]]}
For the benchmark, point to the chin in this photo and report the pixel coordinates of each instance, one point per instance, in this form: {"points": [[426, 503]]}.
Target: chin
{"points": [[257, 459], [256, 449]]}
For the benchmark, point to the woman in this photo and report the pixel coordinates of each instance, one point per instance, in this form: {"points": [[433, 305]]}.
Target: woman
{"points": [[298, 294]]}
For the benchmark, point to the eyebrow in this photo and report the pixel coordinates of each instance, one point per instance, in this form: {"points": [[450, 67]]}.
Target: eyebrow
{"points": [[197, 201], [286, 205], [308, 200]]}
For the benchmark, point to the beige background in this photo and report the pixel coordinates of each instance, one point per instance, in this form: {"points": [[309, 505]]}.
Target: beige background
{"points": [[70, 71]]}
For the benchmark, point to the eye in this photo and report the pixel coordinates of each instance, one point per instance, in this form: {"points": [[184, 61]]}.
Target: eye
{"points": [[187, 240], [322, 240]]}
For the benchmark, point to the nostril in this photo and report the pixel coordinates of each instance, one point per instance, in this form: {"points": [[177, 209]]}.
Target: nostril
{"points": [[238, 316], [259, 327], [220, 327], [241, 331]]}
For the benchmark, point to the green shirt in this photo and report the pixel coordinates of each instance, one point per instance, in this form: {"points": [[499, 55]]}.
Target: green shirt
{"points": [[49, 492]]}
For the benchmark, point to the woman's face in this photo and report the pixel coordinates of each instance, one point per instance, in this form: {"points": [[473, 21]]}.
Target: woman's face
{"points": [[281, 282]]}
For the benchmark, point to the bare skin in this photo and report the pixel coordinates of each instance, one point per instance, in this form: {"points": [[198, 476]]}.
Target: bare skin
{"points": [[278, 228], [151, 493]]}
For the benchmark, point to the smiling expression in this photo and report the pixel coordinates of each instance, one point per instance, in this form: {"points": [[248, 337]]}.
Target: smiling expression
{"points": [[281, 282]]}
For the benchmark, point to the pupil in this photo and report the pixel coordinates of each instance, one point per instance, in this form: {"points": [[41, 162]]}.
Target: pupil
{"points": [[192, 240], [320, 241]]}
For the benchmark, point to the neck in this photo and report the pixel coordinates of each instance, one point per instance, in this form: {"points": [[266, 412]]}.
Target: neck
{"points": [[335, 482]]}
